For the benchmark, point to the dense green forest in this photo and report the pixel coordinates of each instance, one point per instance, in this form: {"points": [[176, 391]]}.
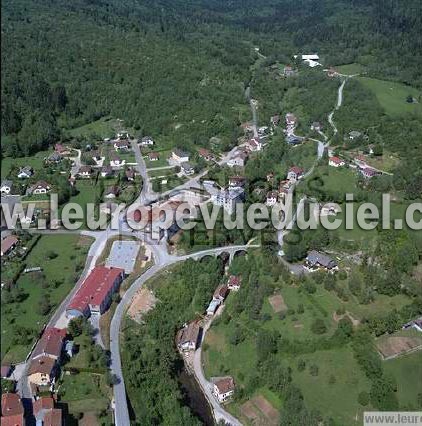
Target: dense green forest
{"points": [[166, 63]]}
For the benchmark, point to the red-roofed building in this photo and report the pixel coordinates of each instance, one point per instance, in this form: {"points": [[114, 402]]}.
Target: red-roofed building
{"points": [[61, 149], [336, 162], [51, 343], [8, 244], [11, 410], [205, 154], [221, 293], [295, 173], [45, 414], [94, 296], [234, 282]]}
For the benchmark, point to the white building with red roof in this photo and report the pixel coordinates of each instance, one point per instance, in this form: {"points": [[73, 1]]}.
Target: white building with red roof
{"points": [[295, 173], [94, 295], [336, 162]]}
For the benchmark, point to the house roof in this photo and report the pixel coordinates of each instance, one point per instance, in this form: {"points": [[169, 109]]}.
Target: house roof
{"points": [[107, 169], [224, 385], [272, 194], [11, 405], [180, 153], [95, 288], [213, 305], [114, 189], [51, 342], [60, 148], [41, 184], [15, 420], [189, 333], [234, 280], [221, 291], [43, 403], [203, 152], [54, 156], [290, 117], [43, 364], [336, 160], [27, 169], [315, 257], [8, 242], [6, 182], [53, 417], [186, 166], [146, 138], [85, 169], [121, 143], [5, 371], [153, 155], [296, 169]]}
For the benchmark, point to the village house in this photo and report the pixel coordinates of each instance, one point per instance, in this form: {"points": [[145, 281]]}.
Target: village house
{"points": [[179, 156], [54, 158], [293, 139], [239, 160], [12, 411], [122, 145], [234, 282], [45, 413], [415, 324], [316, 126], [205, 154], [291, 119], [42, 371], [272, 197], [288, 71], [275, 120], [85, 172], [94, 295], [111, 192], [187, 169], [213, 306], [153, 156], [223, 388], [123, 134], [6, 187], [228, 198], [40, 187], [221, 292], [106, 171], [237, 181], [50, 344], [187, 338], [368, 172], [115, 160], [8, 244], [311, 60], [96, 156], [336, 162], [263, 130], [254, 145], [25, 172], [316, 260], [147, 141], [354, 134], [61, 149], [295, 173], [130, 174], [331, 72]]}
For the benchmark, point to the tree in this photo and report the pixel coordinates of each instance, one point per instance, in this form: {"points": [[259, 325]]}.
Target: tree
{"points": [[301, 364], [363, 398], [313, 370], [76, 326]]}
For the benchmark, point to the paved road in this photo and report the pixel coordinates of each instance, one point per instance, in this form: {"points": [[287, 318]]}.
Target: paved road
{"points": [[147, 194]]}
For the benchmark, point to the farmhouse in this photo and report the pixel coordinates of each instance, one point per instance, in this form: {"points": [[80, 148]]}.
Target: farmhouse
{"points": [[239, 160], [42, 371], [416, 324], [85, 171], [54, 157], [368, 172], [12, 410], [234, 282], [187, 169], [237, 181], [6, 187], [316, 260], [295, 173], [254, 145], [122, 145], [115, 160], [179, 156], [45, 414], [354, 134], [41, 187], [61, 149], [336, 162], [223, 388], [51, 344], [106, 171], [331, 72], [221, 293], [153, 156], [94, 296], [147, 141], [25, 172], [272, 197], [288, 71], [228, 198], [187, 338], [205, 154], [111, 192]]}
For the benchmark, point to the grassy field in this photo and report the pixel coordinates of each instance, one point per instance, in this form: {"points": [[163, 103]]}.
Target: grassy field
{"points": [[161, 162], [71, 251], [392, 96], [36, 162], [407, 371], [104, 128], [84, 393], [350, 69], [320, 394], [338, 179]]}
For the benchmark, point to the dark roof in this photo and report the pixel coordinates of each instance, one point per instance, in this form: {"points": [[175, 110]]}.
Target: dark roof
{"points": [[221, 291], [188, 334], [224, 385], [43, 364], [87, 169], [180, 153], [316, 258]]}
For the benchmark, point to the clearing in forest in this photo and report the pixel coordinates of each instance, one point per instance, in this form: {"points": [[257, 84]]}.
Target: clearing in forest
{"points": [[277, 303], [143, 301]]}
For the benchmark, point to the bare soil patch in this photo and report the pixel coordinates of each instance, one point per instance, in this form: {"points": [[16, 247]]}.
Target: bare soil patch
{"points": [[354, 320], [249, 411], [267, 409], [393, 346], [84, 241], [277, 303], [89, 419], [143, 301], [259, 411]]}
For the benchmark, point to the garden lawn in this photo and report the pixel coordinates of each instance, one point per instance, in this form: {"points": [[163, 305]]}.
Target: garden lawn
{"points": [[350, 69], [407, 371], [338, 179], [104, 128], [392, 96], [36, 161], [64, 269], [337, 400]]}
